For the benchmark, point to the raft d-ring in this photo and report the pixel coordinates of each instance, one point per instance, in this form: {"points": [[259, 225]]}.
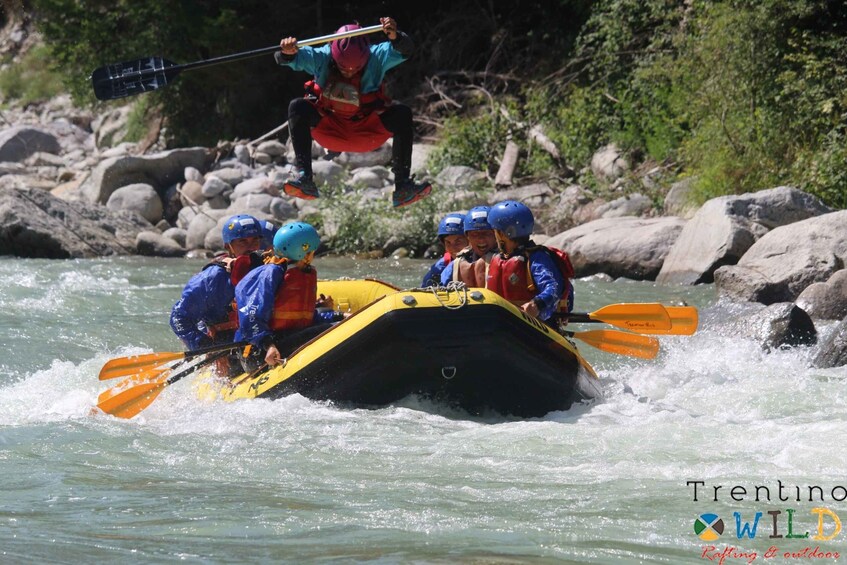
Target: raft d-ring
{"points": [[448, 372], [409, 300], [477, 295]]}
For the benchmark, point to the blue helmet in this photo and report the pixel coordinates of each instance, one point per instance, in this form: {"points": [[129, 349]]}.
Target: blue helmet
{"points": [[512, 218], [451, 224], [477, 219], [239, 227], [295, 241], [268, 232]]}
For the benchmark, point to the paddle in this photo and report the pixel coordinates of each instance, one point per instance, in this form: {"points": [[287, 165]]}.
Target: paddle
{"points": [[684, 321], [129, 402], [123, 366], [642, 318], [621, 343], [152, 73]]}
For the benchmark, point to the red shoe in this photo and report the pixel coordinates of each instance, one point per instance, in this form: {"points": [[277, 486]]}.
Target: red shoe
{"points": [[408, 192], [302, 187]]}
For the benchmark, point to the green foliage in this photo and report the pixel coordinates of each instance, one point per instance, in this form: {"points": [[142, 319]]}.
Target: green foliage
{"points": [[31, 79], [473, 141], [357, 222]]}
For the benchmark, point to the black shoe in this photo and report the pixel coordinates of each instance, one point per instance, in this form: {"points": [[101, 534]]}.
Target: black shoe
{"points": [[408, 192], [302, 187]]}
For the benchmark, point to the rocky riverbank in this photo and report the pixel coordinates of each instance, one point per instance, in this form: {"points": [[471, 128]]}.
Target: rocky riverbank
{"points": [[70, 186]]}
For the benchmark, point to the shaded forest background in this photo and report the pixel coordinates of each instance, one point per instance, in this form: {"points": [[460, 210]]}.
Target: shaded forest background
{"points": [[739, 94]]}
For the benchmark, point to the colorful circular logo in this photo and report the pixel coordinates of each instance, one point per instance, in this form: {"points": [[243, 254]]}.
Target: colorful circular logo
{"points": [[708, 527]]}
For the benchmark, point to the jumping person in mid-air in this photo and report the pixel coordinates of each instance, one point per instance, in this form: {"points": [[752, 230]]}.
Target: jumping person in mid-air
{"points": [[346, 108]]}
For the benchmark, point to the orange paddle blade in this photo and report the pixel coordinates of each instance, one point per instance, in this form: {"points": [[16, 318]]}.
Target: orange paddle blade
{"points": [[130, 402], [637, 317], [124, 366], [621, 343], [156, 374], [684, 320]]}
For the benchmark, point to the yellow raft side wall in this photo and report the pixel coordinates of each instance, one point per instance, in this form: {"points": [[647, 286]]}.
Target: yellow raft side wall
{"points": [[359, 293]]}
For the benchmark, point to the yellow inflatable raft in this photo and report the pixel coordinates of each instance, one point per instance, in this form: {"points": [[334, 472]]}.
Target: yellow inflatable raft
{"points": [[468, 348]]}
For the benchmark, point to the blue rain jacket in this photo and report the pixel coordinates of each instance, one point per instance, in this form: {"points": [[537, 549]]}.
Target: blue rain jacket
{"points": [[204, 302], [255, 296], [433, 276]]}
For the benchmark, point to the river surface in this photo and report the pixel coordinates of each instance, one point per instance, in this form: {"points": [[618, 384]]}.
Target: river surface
{"points": [[296, 481]]}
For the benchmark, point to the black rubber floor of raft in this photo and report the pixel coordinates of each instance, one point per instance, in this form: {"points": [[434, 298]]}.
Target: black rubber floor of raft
{"points": [[477, 358]]}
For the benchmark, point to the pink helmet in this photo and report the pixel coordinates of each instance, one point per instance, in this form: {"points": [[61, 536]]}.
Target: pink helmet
{"points": [[350, 53]]}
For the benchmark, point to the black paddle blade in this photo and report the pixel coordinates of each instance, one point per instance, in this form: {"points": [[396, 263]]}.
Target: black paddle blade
{"points": [[133, 77]]}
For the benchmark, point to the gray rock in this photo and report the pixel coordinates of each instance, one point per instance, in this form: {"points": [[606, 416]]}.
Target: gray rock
{"points": [[560, 215], [366, 177], [33, 223], [185, 216], [176, 234], [282, 209], [200, 225], [219, 202], [272, 148], [158, 170], [328, 172], [253, 204], [156, 245], [380, 156], [163, 225], [19, 142], [778, 326], [229, 175], [42, 159], [192, 174], [213, 186], [139, 198], [258, 185], [191, 193], [678, 200], [609, 163], [262, 158], [722, 231], [242, 154], [832, 351], [826, 300], [535, 196], [779, 266], [621, 247], [111, 128], [420, 155], [631, 205], [461, 177]]}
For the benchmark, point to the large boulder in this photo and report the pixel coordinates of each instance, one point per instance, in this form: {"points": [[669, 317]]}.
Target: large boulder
{"points": [[19, 142], [159, 170], [630, 205], [139, 198], [832, 351], [722, 231], [34, 223], [379, 156], [621, 247], [200, 225], [157, 245], [779, 266], [778, 326], [826, 300]]}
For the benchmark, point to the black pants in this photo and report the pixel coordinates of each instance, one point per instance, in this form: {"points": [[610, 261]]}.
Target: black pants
{"points": [[285, 342], [397, 118]]}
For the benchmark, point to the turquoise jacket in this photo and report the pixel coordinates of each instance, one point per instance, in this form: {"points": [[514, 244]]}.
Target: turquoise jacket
{"points": [[316, 62]]}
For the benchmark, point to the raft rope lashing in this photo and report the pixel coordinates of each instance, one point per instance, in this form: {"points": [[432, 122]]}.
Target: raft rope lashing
{"points": [[453, 286]]}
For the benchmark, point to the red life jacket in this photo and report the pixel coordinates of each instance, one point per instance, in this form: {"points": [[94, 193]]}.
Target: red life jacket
{"points": [[472, 272], [294, 303], [511, 277], [350, 119]]}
